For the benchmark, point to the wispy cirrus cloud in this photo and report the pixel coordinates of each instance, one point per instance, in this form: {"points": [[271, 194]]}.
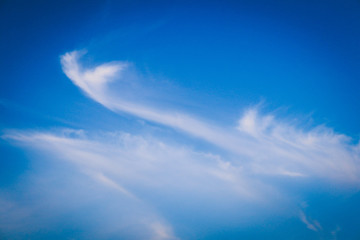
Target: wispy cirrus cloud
{"points": [[310, 224], [263, 142], [132, 174], [84, 176], [131, 181]]}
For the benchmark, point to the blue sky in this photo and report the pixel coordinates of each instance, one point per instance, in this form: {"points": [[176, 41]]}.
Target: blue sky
{"points": [[179, 120]]}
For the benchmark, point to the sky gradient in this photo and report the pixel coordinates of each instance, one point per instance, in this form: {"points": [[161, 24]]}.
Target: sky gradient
{"points": [[179, 120]]}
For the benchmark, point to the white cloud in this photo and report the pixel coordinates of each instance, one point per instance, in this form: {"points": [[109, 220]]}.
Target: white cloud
{"points": [[136, 179], [262, 143], [172, 118], [136, 173], [84, 176], [161, 231], [110, 183], [310, 224], [136, 160]]}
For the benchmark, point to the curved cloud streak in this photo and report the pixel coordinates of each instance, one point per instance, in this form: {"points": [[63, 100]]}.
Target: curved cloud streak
{"points": [[263, 144]]}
